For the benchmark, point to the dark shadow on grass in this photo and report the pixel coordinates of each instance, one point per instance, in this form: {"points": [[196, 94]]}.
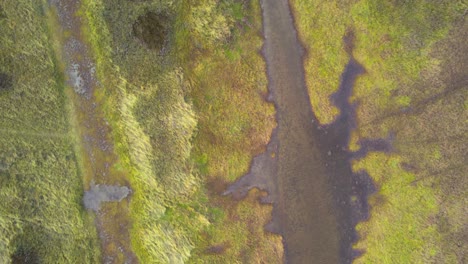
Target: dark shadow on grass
{"points": [[2, 13], [6, 82], [152, 30], [23, 255], [350, 189]]}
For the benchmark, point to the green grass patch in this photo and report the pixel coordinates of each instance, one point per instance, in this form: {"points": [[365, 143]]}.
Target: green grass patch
{"points": [[399, 229], [234, 124], [321, 26]]}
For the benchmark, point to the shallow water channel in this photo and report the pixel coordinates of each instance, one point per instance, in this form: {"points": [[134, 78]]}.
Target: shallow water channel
{"points": [[303, 213], [295, 172]]}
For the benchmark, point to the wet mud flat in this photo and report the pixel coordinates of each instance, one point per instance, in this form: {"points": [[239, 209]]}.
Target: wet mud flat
{"points": [[106, 185], [306, 169]]}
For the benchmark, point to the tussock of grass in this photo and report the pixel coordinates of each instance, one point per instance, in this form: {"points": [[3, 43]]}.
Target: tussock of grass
{"points": [[410, 88], [237, 229], [40, 186]]}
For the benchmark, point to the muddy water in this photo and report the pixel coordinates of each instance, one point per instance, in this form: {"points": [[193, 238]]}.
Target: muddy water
{"points": [[304, 211], [98, 154]]}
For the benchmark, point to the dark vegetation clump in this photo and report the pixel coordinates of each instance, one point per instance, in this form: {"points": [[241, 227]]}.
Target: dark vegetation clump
{"points": [[2, 13], [348, 40], [6, 82], [217, 249], [24, 256], [152, 30]]}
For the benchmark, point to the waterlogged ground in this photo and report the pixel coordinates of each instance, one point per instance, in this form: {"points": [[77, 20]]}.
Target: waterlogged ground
{"points": [[99, 158]]}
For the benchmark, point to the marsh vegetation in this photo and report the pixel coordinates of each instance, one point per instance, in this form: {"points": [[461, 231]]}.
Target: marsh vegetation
{"points": [[181, 88], [175, 123]]}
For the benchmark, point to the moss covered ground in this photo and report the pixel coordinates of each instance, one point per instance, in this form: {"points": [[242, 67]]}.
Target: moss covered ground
{"points": [[414, 88]]}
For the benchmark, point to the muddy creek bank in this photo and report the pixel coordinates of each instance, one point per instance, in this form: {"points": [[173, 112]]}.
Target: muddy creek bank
{"points": [[306, 170]]}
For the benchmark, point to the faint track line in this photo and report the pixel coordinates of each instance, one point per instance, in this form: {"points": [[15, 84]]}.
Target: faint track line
{"points": [[33, 134]]}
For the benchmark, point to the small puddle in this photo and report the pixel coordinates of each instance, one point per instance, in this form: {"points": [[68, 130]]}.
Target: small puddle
{"points": [[98, 194]]}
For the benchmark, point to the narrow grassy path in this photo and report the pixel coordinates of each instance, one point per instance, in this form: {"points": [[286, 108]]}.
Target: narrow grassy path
{"points": [[32, 134], [99, 160]]}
